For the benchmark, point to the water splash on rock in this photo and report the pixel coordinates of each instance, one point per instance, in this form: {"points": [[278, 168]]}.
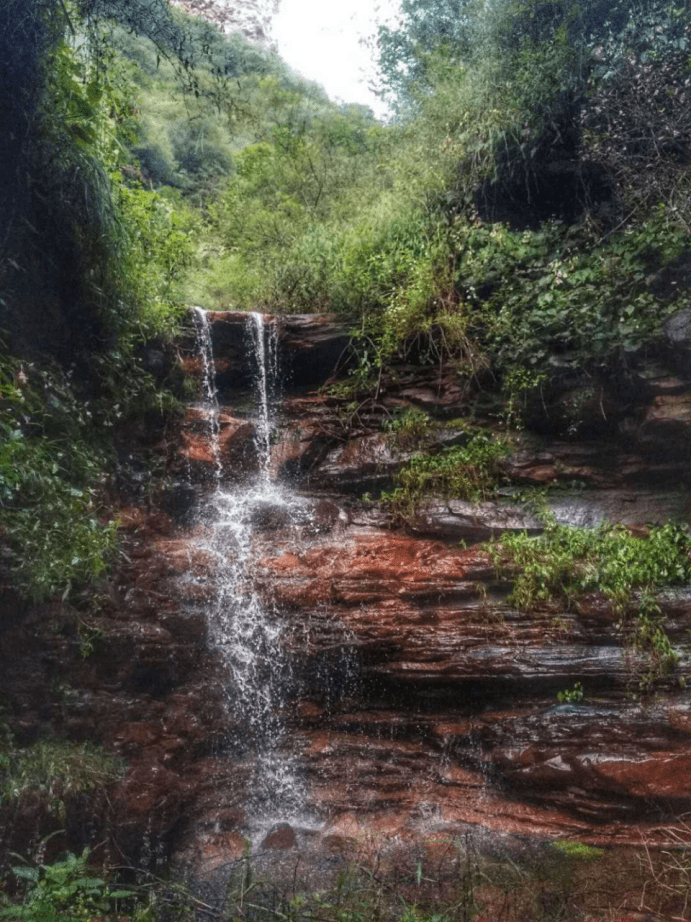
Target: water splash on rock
{"points": [[210, 403], [244, 631]]}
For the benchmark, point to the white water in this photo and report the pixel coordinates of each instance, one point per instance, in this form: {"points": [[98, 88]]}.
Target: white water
{"points": [[242, 629], [210, 404], [266, 354]]}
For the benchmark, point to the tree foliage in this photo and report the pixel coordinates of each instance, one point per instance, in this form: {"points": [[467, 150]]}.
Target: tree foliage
{"points": [[604, 35], [151, 161]]}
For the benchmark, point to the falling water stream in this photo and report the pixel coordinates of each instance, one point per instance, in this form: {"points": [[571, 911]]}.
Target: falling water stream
{"points": [[242, 629]]}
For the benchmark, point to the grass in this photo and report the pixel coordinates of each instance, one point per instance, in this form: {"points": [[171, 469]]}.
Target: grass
{"points": [[446, 879], [441, 878], [53, 769]]}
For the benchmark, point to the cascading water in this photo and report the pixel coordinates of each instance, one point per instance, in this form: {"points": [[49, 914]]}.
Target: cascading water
{"points": [[210, 403], [242, 629], [266, 354]]}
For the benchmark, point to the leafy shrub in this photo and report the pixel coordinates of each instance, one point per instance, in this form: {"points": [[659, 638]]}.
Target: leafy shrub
{"points": [[556, 291], [50, 470], [157, 248], [199, 147], [565, 563], [56, 535], [155, 165], [468, 472], [65, 891]]}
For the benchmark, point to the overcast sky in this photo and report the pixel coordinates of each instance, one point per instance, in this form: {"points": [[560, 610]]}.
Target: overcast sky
{"points": [[320, 40]]}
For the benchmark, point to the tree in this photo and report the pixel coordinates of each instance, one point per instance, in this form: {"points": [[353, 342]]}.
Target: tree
{"points": [[603, 34], [424, 29]]}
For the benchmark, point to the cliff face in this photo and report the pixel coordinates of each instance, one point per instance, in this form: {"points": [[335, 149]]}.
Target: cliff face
{"points": [[415, 701], [251, 17]]}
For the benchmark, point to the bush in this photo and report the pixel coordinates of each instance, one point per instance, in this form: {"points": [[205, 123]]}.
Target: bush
{"points": [[560, 290], [565, 563], [468, 472], [50, 471], [65, 891]]}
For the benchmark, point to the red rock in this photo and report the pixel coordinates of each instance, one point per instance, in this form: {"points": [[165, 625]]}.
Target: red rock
{"points": [[282, 836], [659, 774], [424, 703], [235, 452], [216, 850], [666, 420]]}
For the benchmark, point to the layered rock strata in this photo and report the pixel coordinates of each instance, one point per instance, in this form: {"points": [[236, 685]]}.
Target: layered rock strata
{"points": [[422, 704]]}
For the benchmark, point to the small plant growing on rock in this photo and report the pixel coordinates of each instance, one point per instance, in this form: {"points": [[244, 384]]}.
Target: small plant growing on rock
{"points": [[565, 563], [412, 429], [467, 472], [574, 695]]}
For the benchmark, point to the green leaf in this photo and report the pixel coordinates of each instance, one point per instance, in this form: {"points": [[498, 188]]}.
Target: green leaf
{"points": [[26, 873]]}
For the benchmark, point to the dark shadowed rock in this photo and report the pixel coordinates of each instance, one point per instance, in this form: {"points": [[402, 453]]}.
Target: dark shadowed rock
{"points": [[312, 347], [270, 516], [672, 280], [677, 339]]}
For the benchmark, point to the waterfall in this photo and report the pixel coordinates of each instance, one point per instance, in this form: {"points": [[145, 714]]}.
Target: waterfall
{"points": [[266, 351], [210, 402], [242, 629]]}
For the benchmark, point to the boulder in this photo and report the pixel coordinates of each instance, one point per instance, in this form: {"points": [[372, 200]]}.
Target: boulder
{"points": [[281, 836]]}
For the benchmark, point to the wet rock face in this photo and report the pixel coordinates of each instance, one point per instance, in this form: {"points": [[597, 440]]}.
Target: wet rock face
{"points": [[420, 701], [280, 836], [423, 699], [452, 702], [313, 348], [310, 347], [234, 457]]}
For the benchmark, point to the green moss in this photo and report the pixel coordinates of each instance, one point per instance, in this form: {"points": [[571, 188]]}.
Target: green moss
{"points": [[579, 850]]}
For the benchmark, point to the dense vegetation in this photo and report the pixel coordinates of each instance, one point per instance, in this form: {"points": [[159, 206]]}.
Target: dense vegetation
{"points": [[521, 206], [565, 563]]}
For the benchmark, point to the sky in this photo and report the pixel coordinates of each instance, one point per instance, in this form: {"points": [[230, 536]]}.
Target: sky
{"points": [[320, 39]]}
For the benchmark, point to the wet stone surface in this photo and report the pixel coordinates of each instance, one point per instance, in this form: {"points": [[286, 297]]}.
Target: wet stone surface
{"points": [[404, 696]]}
